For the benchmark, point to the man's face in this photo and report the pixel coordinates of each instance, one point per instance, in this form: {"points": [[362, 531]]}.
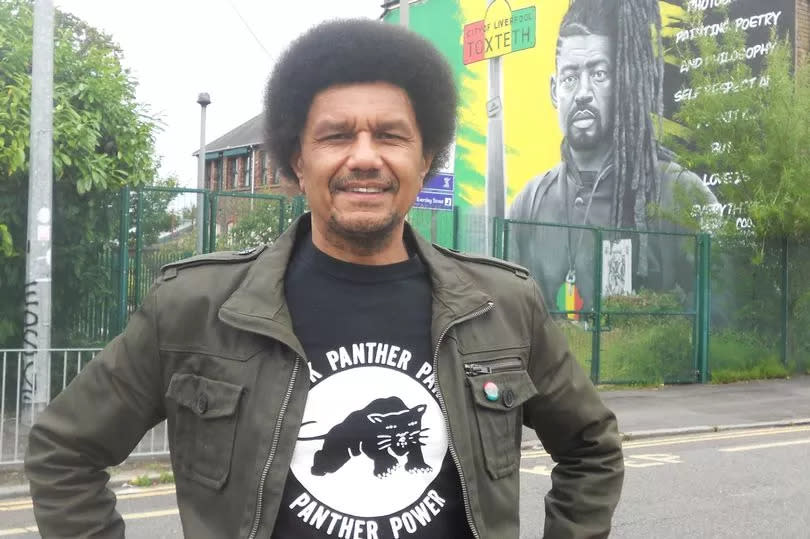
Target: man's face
{"points": [[361, 162], [582, 90]]}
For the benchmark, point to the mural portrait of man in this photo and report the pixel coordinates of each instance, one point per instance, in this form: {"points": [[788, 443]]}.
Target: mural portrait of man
{"points": [[613, 173]]}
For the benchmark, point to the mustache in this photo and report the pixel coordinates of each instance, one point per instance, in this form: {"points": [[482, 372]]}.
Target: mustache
{"points": [[583, 110], [342, 182]]}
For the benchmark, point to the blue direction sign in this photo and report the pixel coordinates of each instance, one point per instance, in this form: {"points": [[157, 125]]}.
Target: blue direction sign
{"points": [[437, 194]]}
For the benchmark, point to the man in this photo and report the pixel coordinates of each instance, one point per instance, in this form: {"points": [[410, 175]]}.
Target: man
{"points": [[350, 380], [613, 173]]}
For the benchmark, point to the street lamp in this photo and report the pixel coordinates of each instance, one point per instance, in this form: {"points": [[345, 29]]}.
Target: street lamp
{"points": [[204, 100]]}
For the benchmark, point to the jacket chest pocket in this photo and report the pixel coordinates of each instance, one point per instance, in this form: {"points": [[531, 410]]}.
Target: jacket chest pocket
{"points": [[499, 387], [204, 427]]}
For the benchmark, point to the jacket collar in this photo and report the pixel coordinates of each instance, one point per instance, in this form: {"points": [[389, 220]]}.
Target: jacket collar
{"points": [[259, 305]]}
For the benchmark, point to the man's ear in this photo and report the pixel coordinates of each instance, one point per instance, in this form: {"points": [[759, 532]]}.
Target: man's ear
{"points": [[554, 100], [427, 161], [297, 165]]}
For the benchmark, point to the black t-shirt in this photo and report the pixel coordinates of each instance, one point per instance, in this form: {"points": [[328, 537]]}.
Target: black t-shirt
{"points": [[372, 458]]}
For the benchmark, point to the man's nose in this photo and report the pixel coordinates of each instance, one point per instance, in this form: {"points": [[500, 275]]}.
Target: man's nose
{"points": [[364, 153], [584, 95]]}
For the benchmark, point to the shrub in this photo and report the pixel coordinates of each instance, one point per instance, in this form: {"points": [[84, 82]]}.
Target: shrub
{"points": [[736, 356]]}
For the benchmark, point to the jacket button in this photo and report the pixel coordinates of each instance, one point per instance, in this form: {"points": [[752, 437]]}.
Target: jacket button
{"points": [[202, 404], [508, 398]]}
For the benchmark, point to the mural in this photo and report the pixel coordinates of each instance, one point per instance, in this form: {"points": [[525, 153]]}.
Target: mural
{"points": [[558, 125]]}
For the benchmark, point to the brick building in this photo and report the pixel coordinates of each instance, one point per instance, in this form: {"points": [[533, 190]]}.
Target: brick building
{"points": [[237, 161]]}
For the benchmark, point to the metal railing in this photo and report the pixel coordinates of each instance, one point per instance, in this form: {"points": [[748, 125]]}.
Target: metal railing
{"points": [[17, 412]]}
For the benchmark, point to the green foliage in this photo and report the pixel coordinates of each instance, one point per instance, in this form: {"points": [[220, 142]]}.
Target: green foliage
{"points": [[645, 300], [151, 480], [103, 139], [753, 129], [737, 356], [6, 244], [262, 223], [648, 349], [155, 214], [750, 127], [639, 346]]}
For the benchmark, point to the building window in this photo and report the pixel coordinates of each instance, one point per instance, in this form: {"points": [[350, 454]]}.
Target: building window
{"points": [[263, 174], [212, 174], [219, 164], [234, 180]]}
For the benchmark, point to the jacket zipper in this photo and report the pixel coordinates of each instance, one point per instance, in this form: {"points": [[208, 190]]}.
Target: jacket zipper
{"points": [[465, 494], [494, 366], [273, 447]]}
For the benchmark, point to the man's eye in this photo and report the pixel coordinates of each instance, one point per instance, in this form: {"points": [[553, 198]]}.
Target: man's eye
{"points": [[389, 136], [570, 80], [600, 76], [337, 136]]}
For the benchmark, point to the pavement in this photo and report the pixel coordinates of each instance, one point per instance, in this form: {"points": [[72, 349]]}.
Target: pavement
{"points": [[642, 413], [696, 408]]}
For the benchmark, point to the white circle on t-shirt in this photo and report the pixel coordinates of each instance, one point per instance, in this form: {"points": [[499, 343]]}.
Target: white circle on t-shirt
{"points": [[370, 417]]}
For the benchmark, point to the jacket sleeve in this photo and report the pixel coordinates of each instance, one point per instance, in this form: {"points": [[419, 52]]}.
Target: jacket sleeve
{"points": [[95, 423], [579, 433]]}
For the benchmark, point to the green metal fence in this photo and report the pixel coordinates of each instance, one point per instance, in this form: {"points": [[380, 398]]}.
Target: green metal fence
{"points": [[623, 328], [707, 308]]}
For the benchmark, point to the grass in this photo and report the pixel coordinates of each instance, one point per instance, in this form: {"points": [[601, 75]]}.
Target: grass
{"points": [[147, 480], [735, 357], [637, 350], [645, 350]]}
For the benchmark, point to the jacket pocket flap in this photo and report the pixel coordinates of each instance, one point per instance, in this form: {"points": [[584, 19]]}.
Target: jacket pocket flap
{"points": [[502, 391], [205, 397]]}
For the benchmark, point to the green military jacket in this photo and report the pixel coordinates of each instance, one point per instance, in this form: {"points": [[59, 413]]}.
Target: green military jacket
{"points": [[212, 350]]}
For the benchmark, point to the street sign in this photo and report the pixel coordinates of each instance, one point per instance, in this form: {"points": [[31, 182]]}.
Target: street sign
{"points": [[437, 193], [501, 32]]}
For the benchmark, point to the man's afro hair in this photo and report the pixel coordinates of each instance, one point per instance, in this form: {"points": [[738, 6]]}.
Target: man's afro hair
{"points": [[359, 51]]}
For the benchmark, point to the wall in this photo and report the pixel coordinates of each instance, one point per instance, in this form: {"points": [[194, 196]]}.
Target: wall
{"points": [[532, 137]]}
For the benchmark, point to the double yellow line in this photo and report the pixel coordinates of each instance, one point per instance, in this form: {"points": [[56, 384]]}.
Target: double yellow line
{"points": [[25, 504], [20, 505]]}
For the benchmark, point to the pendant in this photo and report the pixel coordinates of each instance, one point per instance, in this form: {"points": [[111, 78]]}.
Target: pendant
{"points": [[568, 298]]}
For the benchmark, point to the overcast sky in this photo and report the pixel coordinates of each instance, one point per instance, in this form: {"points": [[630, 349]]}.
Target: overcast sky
{"points": [[179, 48]]}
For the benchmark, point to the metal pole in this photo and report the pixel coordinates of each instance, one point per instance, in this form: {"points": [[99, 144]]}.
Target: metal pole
{"points": [[455, 226], [251, 178], [495, 185], [123, 259], [138, 245], [204, 100], [404, 12], [596, 337], [705, 307], [785, 301], [212, 224], [37, 318]]}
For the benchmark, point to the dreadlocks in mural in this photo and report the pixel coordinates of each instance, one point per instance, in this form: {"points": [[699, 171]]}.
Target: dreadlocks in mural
{"points": [[607, 89]]}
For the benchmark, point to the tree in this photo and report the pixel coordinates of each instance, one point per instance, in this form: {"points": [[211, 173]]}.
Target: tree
{"points": [[155, 215], [103, 140], [263, 224], [748, 128]]}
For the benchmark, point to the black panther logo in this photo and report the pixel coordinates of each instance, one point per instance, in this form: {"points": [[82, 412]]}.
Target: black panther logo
{"points": [[383, 430]]}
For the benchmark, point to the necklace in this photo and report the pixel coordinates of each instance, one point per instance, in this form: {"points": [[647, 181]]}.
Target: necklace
{"points": [[569, 299]]}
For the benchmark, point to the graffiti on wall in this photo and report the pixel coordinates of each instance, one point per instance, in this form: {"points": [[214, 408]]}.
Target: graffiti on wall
{"points": [[579, 145], [30, 339]]}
